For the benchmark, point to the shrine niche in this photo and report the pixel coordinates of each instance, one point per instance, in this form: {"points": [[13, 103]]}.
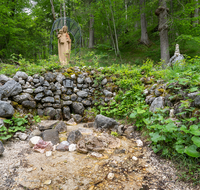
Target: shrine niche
{"points": [[62, 29]]}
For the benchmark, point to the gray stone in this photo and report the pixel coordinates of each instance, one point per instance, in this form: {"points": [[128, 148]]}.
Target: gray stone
{"points": [[46, 83], [52, 87], [66, 113], [57, 99], [56, 105], [58, 86], [197, 101], [87, 102], [1, 148], [29, 104], [65, 97], [28, 90], [10, 88], [68, 83], [63, 146], [47, 105], [36, 80], [39, 96], [66, 103], [79, 85], [103, 122], [4, 79], [40, 112], [47, 124], [80, 80], [51, 135], [22, 82], [73, 97], [30, 79], [49, 111], [130, 130], [6, 110], [88, 80], [20, 74], [107, 99], [22, 97], [36, 76], [78, 118], [193, 95], [69, 92], [21, 136], [72, 147], [48, 100], [76, 89], [73, 76], [37, 85], [78, 108], [149, 99], [82, 94], [104, 81], [15, 78], [48, 92], [36, 132], [157, 103], [58, 115], [74, 136], [85, 86], [50, 77], [107, 93], [60, 77], [79, 99], [41, 80], [63, 89], [38, 90], [61, 127]]}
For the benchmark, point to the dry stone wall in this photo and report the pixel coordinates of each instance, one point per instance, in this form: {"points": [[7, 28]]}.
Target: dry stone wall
{"points": [[55, 94]]}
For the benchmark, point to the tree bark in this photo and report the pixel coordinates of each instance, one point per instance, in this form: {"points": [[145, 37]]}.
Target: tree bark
{"points": [[144, 35], [64, 12], [162, 12], [91, 34], [196, 14], [53, 10]]}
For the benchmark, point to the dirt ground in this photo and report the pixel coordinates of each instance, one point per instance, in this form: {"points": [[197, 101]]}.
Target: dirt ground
{"points": [[22, 168]]}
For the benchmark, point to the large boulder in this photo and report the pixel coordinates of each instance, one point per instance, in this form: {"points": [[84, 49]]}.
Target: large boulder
{"points": [[74, 136], [103, 122], [61, 127], [4, 79], [22, 97], [10, 88], [91, 143], [6, 110], [78, 108], [47, 124], [51, 135], [20, 74]]}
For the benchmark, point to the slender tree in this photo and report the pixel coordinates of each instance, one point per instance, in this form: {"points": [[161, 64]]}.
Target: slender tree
{"points": [[91, 32], [144, 35], [162, 12]]}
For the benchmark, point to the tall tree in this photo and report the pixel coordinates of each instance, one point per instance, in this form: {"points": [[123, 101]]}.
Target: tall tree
{"points": [[91, 34], [144, 35], [162, 12], [196, 13]]}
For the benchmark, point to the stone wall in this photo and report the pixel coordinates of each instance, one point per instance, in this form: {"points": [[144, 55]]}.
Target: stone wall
{"points": [[55, 94]]}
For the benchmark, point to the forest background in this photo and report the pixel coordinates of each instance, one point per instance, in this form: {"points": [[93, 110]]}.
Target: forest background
{"points": [[128, 29]]}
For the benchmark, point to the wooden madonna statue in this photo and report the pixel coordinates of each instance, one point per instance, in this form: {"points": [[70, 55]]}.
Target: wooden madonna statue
{"points": [[64, 46]]}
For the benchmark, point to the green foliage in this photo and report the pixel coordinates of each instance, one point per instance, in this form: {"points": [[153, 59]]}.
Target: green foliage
{"points": [[13, 125], [115, 134]]}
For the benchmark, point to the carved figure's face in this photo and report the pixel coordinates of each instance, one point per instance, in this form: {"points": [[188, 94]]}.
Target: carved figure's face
{"points": [[64, 29], [60, 31]]}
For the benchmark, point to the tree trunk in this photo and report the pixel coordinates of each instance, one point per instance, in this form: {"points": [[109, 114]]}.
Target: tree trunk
{"points": [[196, 13], [64, 12], [144, 35], [162, 12], [53, 10], [60, 10], [91, 35]]}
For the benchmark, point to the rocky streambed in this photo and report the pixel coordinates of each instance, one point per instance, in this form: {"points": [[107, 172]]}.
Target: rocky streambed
{"points": [[122, 163]]}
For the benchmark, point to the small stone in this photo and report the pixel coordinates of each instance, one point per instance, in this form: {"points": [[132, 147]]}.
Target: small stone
{"points": [[135, 158], [47, 182], [48, 153], [29, 170], [72, 147], [139, 142], [1, 148], [104, 81], [34, 140], [111, 176], [96, 155], [21, 136], [74, 136], [63, 146]]}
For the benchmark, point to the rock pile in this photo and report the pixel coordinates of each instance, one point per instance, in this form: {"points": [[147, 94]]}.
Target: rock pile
{"points": [[54, 94]]}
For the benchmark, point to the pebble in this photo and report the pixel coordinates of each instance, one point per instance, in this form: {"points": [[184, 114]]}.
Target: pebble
{"points": [[134, 158], [29, 169], [111, 176], [47, 182], [48, 153], [34, 140], [72, 147], [139, 142]]}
